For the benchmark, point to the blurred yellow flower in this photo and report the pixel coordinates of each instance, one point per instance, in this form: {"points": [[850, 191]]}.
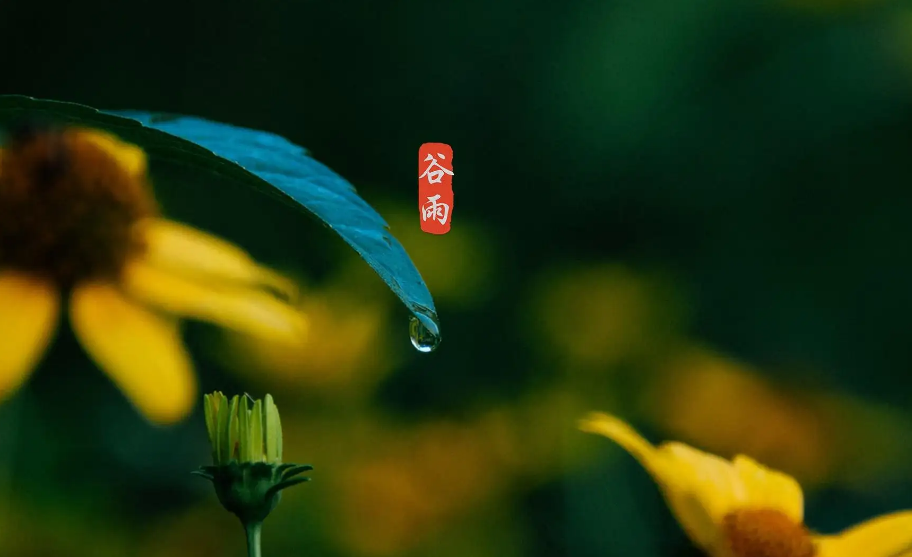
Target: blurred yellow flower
{"points": [[343, 353], [393, 501], [820, 435], [413, 486], [602, 315], [740, 508], [78, 216], [703, 396]]}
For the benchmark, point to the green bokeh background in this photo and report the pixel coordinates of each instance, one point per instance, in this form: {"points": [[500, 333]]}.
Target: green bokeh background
{"points": [[693, 214]]}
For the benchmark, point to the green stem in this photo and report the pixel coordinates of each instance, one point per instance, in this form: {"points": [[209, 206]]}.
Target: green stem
{"points": [[254, 529]]}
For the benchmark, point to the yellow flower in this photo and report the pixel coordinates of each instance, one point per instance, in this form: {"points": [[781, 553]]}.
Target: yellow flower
{"points": [[78, 218], [740, 508]]}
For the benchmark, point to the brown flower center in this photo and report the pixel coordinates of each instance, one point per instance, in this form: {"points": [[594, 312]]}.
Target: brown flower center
{"points": [[68, 206], [766, 533]]}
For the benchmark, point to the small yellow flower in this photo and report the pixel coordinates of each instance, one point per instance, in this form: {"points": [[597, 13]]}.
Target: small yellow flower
{"points": [[740, 508], [78, 218]]}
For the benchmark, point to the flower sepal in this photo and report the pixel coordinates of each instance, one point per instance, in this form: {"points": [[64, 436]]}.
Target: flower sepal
{"points": [[251, 490]]}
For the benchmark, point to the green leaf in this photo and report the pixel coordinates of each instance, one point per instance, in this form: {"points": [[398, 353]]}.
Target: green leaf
{"points": [[262, 161]]}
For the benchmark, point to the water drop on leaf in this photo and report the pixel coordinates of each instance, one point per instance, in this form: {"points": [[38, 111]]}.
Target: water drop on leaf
{"points": [[424, 331]]}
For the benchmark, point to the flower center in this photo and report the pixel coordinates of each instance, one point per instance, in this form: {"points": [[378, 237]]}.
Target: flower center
{"points": [[68, 205], [766, 533]]}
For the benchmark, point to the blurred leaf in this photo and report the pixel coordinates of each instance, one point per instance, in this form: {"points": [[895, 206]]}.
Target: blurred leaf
{"points": [[265, 162]]}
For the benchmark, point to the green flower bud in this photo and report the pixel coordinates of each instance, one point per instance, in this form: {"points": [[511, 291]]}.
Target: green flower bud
{"points": [[247, 470], [243, 431]]}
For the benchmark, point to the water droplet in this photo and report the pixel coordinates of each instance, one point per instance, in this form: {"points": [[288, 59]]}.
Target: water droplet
{"points": [[424, 331]]}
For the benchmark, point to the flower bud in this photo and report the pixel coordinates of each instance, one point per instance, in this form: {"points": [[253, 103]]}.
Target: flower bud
{"points": [[247, 470]]}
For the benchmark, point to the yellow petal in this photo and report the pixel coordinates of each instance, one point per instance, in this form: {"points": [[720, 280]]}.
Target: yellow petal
{"points": [[889, 535], [700, 488], [141, 351], [244, 310], [188, 251], [770, 489], [130, 157], [29, 312]]}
